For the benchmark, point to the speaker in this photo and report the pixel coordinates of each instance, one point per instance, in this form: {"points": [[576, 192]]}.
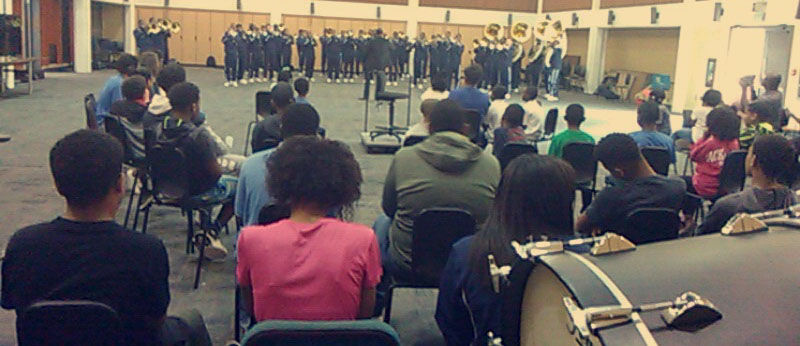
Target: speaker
{"points": [[510, 19], [718, 11], [611, 17], [574, 19], [654, 15], [447, 16], [378, 13], [311, 8]]}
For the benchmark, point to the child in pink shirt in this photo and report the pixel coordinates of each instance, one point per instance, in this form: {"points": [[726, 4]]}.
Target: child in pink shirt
{"points": [[310, 267], [708, 154]]}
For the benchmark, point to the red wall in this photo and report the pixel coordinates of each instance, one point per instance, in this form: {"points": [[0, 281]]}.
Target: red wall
{"points": [[51, 16]]}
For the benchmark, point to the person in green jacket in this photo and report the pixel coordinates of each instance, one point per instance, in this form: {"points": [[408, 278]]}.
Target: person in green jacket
{"points": [[445, 170], [574, 117]]}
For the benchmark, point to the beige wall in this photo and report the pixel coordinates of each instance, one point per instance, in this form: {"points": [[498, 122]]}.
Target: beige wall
{"points": [[578, 43], [113, 22], [642, 50]]}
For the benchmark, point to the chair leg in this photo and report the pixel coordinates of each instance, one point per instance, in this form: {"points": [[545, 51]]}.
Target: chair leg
{"points": [[387, 310], [145, 218], [204, 216], [130, 203], [189, 232], [237, 328]]}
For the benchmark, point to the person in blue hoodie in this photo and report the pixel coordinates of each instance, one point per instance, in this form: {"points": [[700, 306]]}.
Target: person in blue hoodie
{"points": [[534, 199], [231, 56]]}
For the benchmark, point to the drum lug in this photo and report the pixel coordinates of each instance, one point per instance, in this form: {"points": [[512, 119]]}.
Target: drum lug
{"points": [[498, 274]]}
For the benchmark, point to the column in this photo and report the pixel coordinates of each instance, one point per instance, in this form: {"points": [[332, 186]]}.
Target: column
{"points": [[130, 25], [683, 85], [36, 35], [82, 35], [413, 22], [595, 58]]}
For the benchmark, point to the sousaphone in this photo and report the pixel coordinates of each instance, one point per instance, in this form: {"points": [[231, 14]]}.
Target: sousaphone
{"points": [[520, 33]]}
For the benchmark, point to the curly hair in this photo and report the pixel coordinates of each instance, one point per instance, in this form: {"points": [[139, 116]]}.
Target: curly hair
{"points": [[306, 170]]}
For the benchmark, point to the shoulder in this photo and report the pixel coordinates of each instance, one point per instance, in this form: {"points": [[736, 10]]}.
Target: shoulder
{"points": [[672, 183], [354, 232], [257, 160]]}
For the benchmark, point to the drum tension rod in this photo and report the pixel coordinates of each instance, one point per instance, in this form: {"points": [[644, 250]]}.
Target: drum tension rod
{"points": [[688, 312]]}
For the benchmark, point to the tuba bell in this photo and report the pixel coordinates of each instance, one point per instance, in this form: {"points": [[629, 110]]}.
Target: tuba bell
{"points": [[164, 24], [521, 32], [492, 31], [175, 28], [153, 28]]}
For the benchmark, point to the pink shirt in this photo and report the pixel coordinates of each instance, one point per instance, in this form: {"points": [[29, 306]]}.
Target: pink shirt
{"points": [[308, 271], [709, 155]]}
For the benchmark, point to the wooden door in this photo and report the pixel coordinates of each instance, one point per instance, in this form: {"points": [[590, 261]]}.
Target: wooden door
{"points": [[217, 29], [175, 42], [189, 38], [203, 36]]}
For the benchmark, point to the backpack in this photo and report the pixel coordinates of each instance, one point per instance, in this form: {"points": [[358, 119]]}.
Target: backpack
{"points": [[211, 62]]}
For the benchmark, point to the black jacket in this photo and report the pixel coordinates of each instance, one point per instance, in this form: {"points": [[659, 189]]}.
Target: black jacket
{"points": [[377, 54]]}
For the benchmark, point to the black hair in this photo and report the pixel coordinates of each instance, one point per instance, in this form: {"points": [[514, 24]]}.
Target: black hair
{"points": [[133, 88], [307, 170], [300, 119], [447, 116], [712, 98], [657, 95], [126, 64], [144, 73], [534, 199], [183, 95], [575, 114], [530, 93], [285, 76], [723, 123], [473, 74], [170, 75], [776, 157], [85, 165], [648, 113], [499, 92], [150, 62], [513, 115], [282, 94], [617, 150], [772, 81], [439, 81], [763, 110], [301, 85]]}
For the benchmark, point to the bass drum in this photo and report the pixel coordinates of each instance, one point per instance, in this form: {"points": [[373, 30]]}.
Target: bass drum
{"points": [[752, 279]]}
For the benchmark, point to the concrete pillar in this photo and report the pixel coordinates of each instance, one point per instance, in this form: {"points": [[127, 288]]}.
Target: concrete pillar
{"points": [[36, 35], [595, 58], [129, 26], [82, 35], [683, 80], [413, 22]]}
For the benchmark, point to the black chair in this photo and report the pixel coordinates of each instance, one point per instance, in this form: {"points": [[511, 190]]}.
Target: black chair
{"points": [[76, 322], [435, 231], [263, 106], [90, 107], [411, 140], [550, 123], [647, 225], [511, 150], [659, 159], [682, 146], [169, 179], [688, 122], [581, 157], [732, 176], [474, 122], [337, 333], [382, 95], [134, 156]]}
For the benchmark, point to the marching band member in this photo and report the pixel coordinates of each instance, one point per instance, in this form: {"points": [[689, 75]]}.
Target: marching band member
{"points": [[535, 57], [286, 47], [454, 59], [256, 54], [242, 45], [274, 49], [557, 49], [231, 56], [334, 57], [309, 54], [361, 51], [143, 42], [481, 51], [265, 37], [394, 57], [420, 46], [300, 43], [503, 61], [405, 54], [324, 40], [491, 64], [348, 56]]}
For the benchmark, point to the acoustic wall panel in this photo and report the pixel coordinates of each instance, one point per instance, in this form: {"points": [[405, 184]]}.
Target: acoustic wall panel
{"points": [[506, 5], [628, 3], [566, 5]]}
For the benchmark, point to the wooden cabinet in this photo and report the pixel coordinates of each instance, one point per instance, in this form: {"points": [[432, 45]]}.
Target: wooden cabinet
{"points": [[201, 31]]}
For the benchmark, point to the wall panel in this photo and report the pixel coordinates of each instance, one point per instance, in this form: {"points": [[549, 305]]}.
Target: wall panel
{"points": [[388, 2], [503, 5], [578, 44], [628, 3], [643, 50], [566, 5], [317, 24]]}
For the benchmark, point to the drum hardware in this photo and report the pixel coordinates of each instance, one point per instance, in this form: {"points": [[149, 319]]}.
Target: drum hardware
{"points": [[497, 274], [688, 312], [607, 243], [749, 223]]}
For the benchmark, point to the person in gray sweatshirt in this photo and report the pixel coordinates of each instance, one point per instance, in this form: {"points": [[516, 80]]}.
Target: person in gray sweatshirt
{"points": [[772, 164]]}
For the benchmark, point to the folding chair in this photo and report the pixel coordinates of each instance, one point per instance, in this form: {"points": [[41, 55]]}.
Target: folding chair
{"points": [[435, 232], [658, 158], [90, 108], [581, 157], [647, 225], [263, 106], [337, 333], [75, 322], [134, 156], [512, 150], [550, 123], [731, 179]]}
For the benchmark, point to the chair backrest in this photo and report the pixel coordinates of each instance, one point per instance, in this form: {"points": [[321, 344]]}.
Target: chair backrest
{"points": [[272, 213], [90, 106], [132, 142], [168, 171], [473, 119], [581, 157], [512, 150], [732, 176], [380, 83], [264, 103], [550, 122], [411, 140], [687, 119], [658, 158], [75, 322], [435, 231], [646, 225], [338, 333]]}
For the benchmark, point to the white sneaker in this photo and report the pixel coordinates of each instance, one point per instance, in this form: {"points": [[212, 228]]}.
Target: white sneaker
{"points": [[252, 80], [227, 84], [516, 90], [214, 250], [243, 81], [329, 80], [395, 83], [508, 96], [352, 80], [371, 82], [235, 85], [551, 98], [313, 79], [421, 87], [338, 81]]}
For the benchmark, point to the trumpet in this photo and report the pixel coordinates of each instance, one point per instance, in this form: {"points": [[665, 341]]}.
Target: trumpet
{"points": [[164, 24], [175, 28], [153, 29]]}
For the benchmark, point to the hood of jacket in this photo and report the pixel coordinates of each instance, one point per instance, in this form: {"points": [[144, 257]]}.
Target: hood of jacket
{"points": [[757, 200], [449, 152], [159, 105]]}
